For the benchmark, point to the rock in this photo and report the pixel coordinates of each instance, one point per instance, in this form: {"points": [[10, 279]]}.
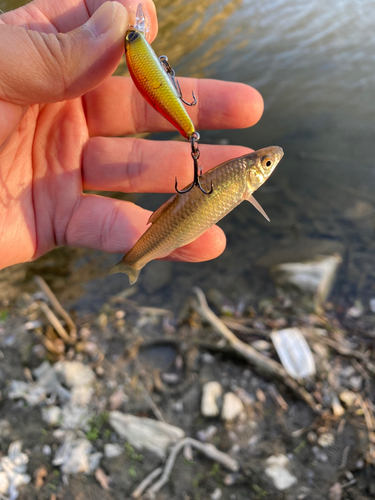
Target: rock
{"points": [[12, 470], [315, 276], [348, 398], [232, 407], [261, 345], [4, 483], [335, 492], [211, 396], [52, 415], [207, 434], [277, 471], [294, 352], [355, 311], [47, 450], [372, 305], [74, 373], [113, 450], [117, 399], [337, 408], [217, 494], [75, 455], [326, 439], [145, 433]]}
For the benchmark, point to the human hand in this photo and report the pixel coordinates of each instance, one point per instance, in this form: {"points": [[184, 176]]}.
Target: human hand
{"points": [[59, 112]]}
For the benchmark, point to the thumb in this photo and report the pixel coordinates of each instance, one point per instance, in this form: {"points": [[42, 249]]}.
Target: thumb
{"points": [[42, 68]]}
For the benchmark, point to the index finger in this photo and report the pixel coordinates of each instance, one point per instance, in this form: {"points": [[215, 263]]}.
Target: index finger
{"points": [[116, 108]]}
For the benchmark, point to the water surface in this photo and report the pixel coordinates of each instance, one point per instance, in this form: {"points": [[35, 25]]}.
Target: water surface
{"points": [[313, 62]]}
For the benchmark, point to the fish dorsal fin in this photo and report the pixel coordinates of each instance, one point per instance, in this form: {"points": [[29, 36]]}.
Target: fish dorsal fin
{"points": [[254, 202], [155, 215]]}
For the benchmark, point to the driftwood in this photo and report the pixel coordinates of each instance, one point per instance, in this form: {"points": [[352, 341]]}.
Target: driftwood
{"points": [[258, 360]]}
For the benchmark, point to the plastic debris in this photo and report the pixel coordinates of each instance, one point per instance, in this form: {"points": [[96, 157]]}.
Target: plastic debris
{"points": [[294, 352]]}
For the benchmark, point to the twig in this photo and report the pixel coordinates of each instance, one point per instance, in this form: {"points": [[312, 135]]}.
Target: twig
{"points": [[58, 307], [148, 480], [55, 322], [207, 449], [158, 414], [257, 359]]}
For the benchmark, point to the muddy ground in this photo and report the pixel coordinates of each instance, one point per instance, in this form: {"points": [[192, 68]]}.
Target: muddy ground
{"points": [[155, 361]]}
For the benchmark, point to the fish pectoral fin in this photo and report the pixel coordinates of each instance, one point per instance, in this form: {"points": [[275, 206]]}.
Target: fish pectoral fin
{"points": [[254, 202], [155, 215]]}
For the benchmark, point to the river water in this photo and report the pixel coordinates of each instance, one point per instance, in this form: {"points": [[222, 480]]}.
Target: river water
{"points": [[314, 64]]}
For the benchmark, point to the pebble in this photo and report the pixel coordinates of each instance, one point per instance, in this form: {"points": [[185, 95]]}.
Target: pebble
{"points": [[277, 471], [232, 407], [117, 399], [261, 345], [145, 433], [356, 382], [52, 415], [355, 311], [372, 305], [348, 398], [326, 439], [211, 396], [337, 408], [113, 450], [207, 434], [74, 373], [47, 450], [335, 492], [216, 495]]}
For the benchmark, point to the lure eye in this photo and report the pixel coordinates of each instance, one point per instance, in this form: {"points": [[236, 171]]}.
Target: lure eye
{"points": [[131, 36]]}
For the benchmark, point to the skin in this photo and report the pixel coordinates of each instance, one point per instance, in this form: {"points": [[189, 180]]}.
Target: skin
{"points": [[59, 111]]}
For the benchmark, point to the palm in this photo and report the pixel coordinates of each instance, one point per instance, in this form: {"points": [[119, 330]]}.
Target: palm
{"points": [[52, 152]]}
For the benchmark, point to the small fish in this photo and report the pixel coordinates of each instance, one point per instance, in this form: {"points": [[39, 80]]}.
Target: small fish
{"points": [[182, 218], [154, 78]]}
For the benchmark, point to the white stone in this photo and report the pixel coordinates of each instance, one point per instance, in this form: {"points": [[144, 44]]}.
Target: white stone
{"points": [[47, 450], [4, 483], [74, 373], [52, 415], [113, 450], [145, 433], [232, 406], [217, 494], [315, 276], [211, 396], [75, 455], [372, 305], [276, 470], [294, 352], [326, 439]]}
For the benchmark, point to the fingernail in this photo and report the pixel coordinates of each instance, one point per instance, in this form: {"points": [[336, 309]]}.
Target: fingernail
{"points": [[100, 22]]}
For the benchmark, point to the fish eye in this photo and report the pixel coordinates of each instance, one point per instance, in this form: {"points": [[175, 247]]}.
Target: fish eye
{"points": [[131, 36], [266, 161]]}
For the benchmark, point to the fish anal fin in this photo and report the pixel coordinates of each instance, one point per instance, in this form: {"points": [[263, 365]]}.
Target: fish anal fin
{"points": [[254, 202], [155, 215]]}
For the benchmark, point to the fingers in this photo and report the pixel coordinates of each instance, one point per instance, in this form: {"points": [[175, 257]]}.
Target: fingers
{"points": [[114, 226], [40, 68], [116, 107], [139, 165], [56, 16]]}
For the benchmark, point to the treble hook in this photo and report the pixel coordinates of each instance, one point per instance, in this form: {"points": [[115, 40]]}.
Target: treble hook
{"points": [[195, 153], [172, 75]]}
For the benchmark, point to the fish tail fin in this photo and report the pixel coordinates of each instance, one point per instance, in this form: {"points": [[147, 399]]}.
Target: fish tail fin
{"points": [[121, 267]]}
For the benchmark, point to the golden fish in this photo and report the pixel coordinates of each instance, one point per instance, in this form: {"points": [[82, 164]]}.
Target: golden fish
{"points": [[150, 76], [182, 218]]}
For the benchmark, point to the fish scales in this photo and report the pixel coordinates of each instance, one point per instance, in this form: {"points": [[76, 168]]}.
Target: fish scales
{"points": [[154, 84], [184, 217]]}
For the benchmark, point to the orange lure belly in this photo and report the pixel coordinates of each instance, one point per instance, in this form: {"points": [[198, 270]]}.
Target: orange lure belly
{"points": [[154, 84]]}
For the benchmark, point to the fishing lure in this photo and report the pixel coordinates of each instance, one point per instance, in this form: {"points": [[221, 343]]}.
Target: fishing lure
{"points": [[156, 82], [181, 219]]}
